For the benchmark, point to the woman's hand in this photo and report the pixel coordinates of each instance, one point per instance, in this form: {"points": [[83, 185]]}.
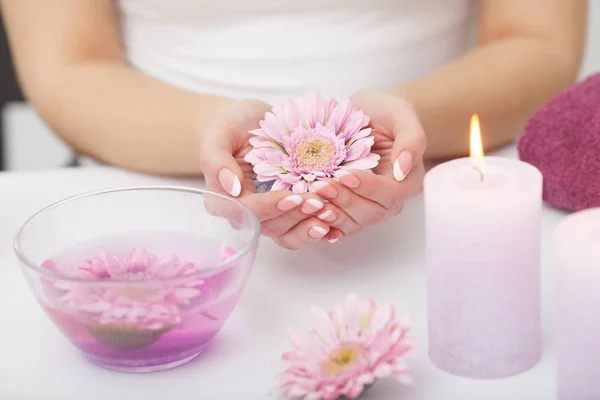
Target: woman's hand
{"points": [[368, 198], [292, 221]]}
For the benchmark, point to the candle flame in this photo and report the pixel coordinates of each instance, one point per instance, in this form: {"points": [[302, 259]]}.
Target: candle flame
{"points": [[476, 145]]}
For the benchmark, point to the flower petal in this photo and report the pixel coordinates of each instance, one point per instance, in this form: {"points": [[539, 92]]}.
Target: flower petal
{"points": [[383, 371], [114, 266], [280, 185], [260, 133], [323, 325], [366, 378], [260, 141], [354, 390], [368, 162], [300, 339], [300, 187], [383, 315], [267, 169], [351, 315], [186, 293], [291, 115], [289, 178], [263, 178], [405, 379], [254, 157], [296, 391], [166, 265], [275, 157], [366, 308], [363, 133], [360, 149], [339, 115], [272, 128], [315, 110], [355, 124]]}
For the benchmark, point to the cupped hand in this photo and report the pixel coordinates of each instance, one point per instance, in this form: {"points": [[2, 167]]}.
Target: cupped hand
{"points": [[291, 220], [366, 198]]}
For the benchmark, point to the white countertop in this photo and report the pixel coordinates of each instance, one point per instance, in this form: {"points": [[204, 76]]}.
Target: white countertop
{"points": [[386, 262]]}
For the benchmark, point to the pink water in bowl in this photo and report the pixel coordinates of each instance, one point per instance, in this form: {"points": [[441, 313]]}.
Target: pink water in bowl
{"points": [[164, 318]]}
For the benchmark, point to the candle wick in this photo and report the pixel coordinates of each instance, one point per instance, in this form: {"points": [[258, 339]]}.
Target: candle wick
{"points": [[480, 173]]}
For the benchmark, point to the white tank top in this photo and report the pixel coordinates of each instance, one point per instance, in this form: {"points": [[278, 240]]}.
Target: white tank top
{"points": [[273, 49]]}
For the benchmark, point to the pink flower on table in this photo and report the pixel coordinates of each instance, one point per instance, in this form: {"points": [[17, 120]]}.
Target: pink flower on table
{"points": [[302, 141], [349, 348]]}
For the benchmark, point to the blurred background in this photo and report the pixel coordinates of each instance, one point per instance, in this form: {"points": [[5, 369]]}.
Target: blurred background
{"points": [[26, 143]]}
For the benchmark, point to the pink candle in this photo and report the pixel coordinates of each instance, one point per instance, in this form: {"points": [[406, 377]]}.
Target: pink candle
{"points": [[483, 222], [578, 306]]}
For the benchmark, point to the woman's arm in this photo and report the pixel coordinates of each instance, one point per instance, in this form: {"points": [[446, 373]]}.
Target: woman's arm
{"points": [[528, 50], [72, 69]]}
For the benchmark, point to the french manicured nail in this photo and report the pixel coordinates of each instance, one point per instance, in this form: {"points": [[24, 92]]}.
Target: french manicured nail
{"points": [[403, 165], [347, 179], [230, 182], [317, 232], [311, 206], [333, 240], [325, 189], [327, 216], [289, 203]]}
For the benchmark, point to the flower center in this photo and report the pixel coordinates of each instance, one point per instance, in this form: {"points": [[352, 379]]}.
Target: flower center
{"points": [[341, 359], [314, 153], [137, 292]]}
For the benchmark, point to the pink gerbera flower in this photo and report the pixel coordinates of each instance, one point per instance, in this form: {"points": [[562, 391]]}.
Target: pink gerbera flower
{"points": [[156, 306], [151, 307], [349, 348], [305, 140]]}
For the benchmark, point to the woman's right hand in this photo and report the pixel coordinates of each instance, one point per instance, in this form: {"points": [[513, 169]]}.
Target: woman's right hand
{"points": [[292, 221]]}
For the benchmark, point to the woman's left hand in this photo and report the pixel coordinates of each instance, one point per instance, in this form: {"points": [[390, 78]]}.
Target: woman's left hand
{"points": [[369, 198]]}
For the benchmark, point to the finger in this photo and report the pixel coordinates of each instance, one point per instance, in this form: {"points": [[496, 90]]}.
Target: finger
{"points": [[278, 226], [337, 218], [410, 141], [307, 232], [362, 211], [384, 190], [221, 170], [270, 205], [265, 206], [334, 236], [222, 175]]}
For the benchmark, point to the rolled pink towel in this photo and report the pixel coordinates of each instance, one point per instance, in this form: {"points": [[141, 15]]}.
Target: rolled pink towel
{"points": [[562, 139]]}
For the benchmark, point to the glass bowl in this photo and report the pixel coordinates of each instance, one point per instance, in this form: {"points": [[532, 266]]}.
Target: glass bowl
{"points": [[139, 279]]}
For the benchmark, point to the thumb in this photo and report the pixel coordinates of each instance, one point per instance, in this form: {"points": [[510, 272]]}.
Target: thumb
{"points": [[222, 175], [409, 145], [221, 170]]}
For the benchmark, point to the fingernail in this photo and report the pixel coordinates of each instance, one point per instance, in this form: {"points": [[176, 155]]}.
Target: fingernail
{"points": [[317, 232], [334, 239], [403, 165], [311, 206], [328, 216], [230, 182], [347, 179], [290, 202], [324, 189]]}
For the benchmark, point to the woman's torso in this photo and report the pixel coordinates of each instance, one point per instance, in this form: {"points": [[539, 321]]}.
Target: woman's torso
{"points": [[272, 49]]}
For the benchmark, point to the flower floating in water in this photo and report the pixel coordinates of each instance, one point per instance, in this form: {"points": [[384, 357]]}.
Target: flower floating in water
{"points": [[133, 315], [302, 141], [349, 348]]}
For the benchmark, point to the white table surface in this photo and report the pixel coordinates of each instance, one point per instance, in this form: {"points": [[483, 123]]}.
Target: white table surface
{"points": [[386, 262]]}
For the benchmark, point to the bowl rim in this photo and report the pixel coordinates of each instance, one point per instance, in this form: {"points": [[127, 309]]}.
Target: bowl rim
{"points": [[21, 256]]}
